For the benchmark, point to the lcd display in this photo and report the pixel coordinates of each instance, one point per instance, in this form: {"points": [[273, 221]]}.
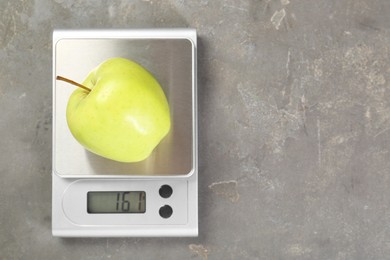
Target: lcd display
{"points": [[116, 202]]}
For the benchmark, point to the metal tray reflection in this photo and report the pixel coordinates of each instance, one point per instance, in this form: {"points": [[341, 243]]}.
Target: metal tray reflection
{"points": [[170, 61]]}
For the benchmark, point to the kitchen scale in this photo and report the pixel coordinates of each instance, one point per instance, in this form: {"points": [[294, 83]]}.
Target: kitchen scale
{"points": [[97, 197]]}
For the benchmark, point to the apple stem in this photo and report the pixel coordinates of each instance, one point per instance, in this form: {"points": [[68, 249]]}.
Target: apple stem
{"points": [[73, 83]]}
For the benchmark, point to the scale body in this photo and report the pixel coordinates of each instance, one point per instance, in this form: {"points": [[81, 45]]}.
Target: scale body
{"points": [[97, 197]]}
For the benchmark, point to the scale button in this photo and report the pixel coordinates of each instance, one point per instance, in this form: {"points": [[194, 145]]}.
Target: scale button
{"points": [[165, 211], [165, 191]]}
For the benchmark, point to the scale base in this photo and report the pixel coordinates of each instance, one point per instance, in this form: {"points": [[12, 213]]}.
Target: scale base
{"points": [[70, 218]]}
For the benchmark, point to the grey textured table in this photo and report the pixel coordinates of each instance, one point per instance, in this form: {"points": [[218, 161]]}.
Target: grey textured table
{"points": [[294, 100]]}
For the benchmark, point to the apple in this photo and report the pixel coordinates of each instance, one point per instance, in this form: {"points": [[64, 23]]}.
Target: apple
{"points": [[119, 112]]}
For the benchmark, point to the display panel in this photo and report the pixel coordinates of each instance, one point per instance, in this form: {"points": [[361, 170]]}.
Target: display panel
{"points": [[116, 202]]}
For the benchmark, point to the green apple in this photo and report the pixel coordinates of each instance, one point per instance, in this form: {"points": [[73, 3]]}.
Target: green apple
{"points": [[121, 114]]}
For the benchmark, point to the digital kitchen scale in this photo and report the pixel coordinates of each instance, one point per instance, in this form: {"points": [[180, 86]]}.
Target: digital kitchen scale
{"points": [[97, 197]]}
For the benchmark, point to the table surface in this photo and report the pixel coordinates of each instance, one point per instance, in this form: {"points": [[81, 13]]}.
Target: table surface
{"points": [[294, 128]]}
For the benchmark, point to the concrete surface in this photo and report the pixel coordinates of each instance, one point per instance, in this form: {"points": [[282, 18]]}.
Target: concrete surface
{"points": [[294, 101]]}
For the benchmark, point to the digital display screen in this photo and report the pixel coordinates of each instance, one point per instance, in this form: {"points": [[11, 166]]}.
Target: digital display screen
{"points": [[116, 202]]}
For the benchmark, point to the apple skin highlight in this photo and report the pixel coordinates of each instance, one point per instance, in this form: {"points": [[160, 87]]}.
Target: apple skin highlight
{"points": [[124, 116]]}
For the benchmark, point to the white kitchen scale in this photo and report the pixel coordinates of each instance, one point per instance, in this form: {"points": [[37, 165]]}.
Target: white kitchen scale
{"points": [[98, 197]]}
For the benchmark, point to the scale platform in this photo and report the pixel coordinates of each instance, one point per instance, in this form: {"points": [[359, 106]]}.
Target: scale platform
{"points": [[97, 197]]}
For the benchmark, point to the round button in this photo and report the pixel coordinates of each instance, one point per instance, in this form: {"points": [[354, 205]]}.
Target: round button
{"points": [[165, 211], [165, 191]]}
